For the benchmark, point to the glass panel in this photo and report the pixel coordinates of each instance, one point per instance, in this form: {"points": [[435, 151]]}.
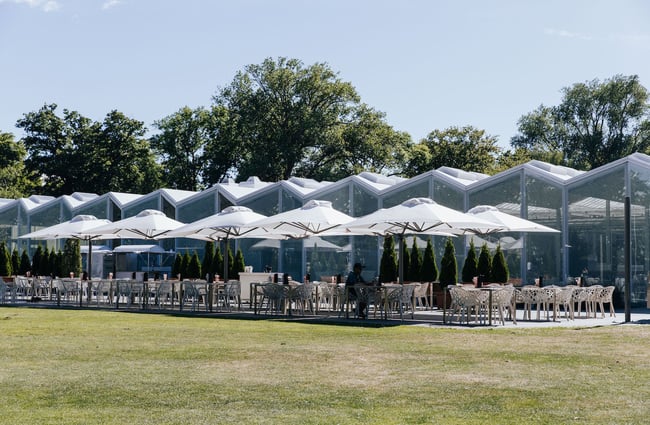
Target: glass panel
{"points": [[152, 203], [640, 237], [596, 227], [267, 204], [543, 250], [364, 202], [224, 202], [9, 227], [290, 202], [448, 196], [200, 207], [97, 208], [406, 192], [340, 198]]}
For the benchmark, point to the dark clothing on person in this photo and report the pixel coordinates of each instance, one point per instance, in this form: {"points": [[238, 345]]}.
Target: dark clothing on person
{"points": [[355, 278]]}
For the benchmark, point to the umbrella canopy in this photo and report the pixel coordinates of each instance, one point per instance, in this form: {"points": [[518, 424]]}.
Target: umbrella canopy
{"points": [[506, 222], [314, 218], [418, 216], [230, 222], [80, 227], [309, 243], [148, 224]]}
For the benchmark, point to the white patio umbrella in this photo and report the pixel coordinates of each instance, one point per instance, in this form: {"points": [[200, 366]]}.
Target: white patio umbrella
{"points": [[80, 227], [148, 224], [231, 222], [507, 222], [309, 243], [418, 216], [314, 218]]}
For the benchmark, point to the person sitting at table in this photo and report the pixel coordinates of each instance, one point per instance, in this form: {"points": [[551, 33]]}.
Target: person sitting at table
{"points": [[355, 278]]}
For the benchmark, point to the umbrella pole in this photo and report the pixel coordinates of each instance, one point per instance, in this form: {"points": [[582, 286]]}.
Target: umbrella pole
{"points": [[226, 259]]}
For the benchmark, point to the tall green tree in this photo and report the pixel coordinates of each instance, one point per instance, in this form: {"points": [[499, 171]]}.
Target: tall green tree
{"points": [[448, 265], [25, 263], [15, 261], [15, 180], [71, 257], [470, 266], [207, 265], [466, 148], [594, 124], [72, 153], [388, 264], [194, 267], [406, 259], [180, 145], [5, 260], [500, 272], [484, 265], [240, 263], [415, 264], [217, 262], [281, 118], [429, 266], [36, 260]]}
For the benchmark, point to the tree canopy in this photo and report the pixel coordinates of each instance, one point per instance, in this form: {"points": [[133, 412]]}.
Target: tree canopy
{"points": [[15, 181], [594, 124], [74, 154]]}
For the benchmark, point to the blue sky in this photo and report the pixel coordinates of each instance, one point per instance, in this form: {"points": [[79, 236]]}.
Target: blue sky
{"points": [[426, 64]]}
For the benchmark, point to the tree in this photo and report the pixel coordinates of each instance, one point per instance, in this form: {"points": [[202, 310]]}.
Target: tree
{"points": [[194, 267], [280, 119], [415, 266], [55, 263], [71, 257], [207, 266], [466, 148], [25, 263], [470, 267], [5, 260], [36, 260], [74, 154], [448, 265], [240, 263], [429, 266], [484, 265], [217, 262], [15, 261], [178, 265], [15, 181], [185, 265], [388, 265], [231, 262], [500, 273], [180, 146], [44, 263], [595, 123], [406, 259]]}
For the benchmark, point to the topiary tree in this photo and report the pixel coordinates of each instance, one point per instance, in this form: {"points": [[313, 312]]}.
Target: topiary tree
{"points": [[429, 266], [178, 265], [36, 260], [239, 264], [71, 257], [185, 265], [470, 267], [217, 262], [5, 260], [406, 259], [25, 263], [388, 265], [15, 261], [500, 273], [448, 265], [208, 259], [231, 262], [44, 264], [194, 267], [415, 265], [484, 262], [55, 265], [59, 263]]}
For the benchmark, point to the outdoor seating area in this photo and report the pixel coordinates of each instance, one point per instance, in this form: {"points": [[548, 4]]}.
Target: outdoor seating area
{"points": [[492, 305]]}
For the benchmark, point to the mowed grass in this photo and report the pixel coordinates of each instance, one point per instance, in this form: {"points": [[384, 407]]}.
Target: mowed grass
{"points": [[104, 367]]}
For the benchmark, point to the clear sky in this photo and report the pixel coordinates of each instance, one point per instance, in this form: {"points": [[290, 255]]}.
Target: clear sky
{"points": [[427, 64]]}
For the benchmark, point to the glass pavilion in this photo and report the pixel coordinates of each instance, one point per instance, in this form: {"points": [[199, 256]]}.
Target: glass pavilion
{"points": [[587, 207]]}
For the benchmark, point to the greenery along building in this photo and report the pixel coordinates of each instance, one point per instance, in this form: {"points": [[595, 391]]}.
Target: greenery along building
{"points": [[586, 206]]}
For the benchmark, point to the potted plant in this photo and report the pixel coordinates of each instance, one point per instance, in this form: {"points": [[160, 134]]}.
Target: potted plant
{"points": [[500, 273], [470, 267]]}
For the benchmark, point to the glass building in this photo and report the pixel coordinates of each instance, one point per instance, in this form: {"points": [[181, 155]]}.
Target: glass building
{"points": [[587, 207]]}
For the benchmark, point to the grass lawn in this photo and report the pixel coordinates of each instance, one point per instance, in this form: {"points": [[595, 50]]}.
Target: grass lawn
{"points": [[105, 367]]}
